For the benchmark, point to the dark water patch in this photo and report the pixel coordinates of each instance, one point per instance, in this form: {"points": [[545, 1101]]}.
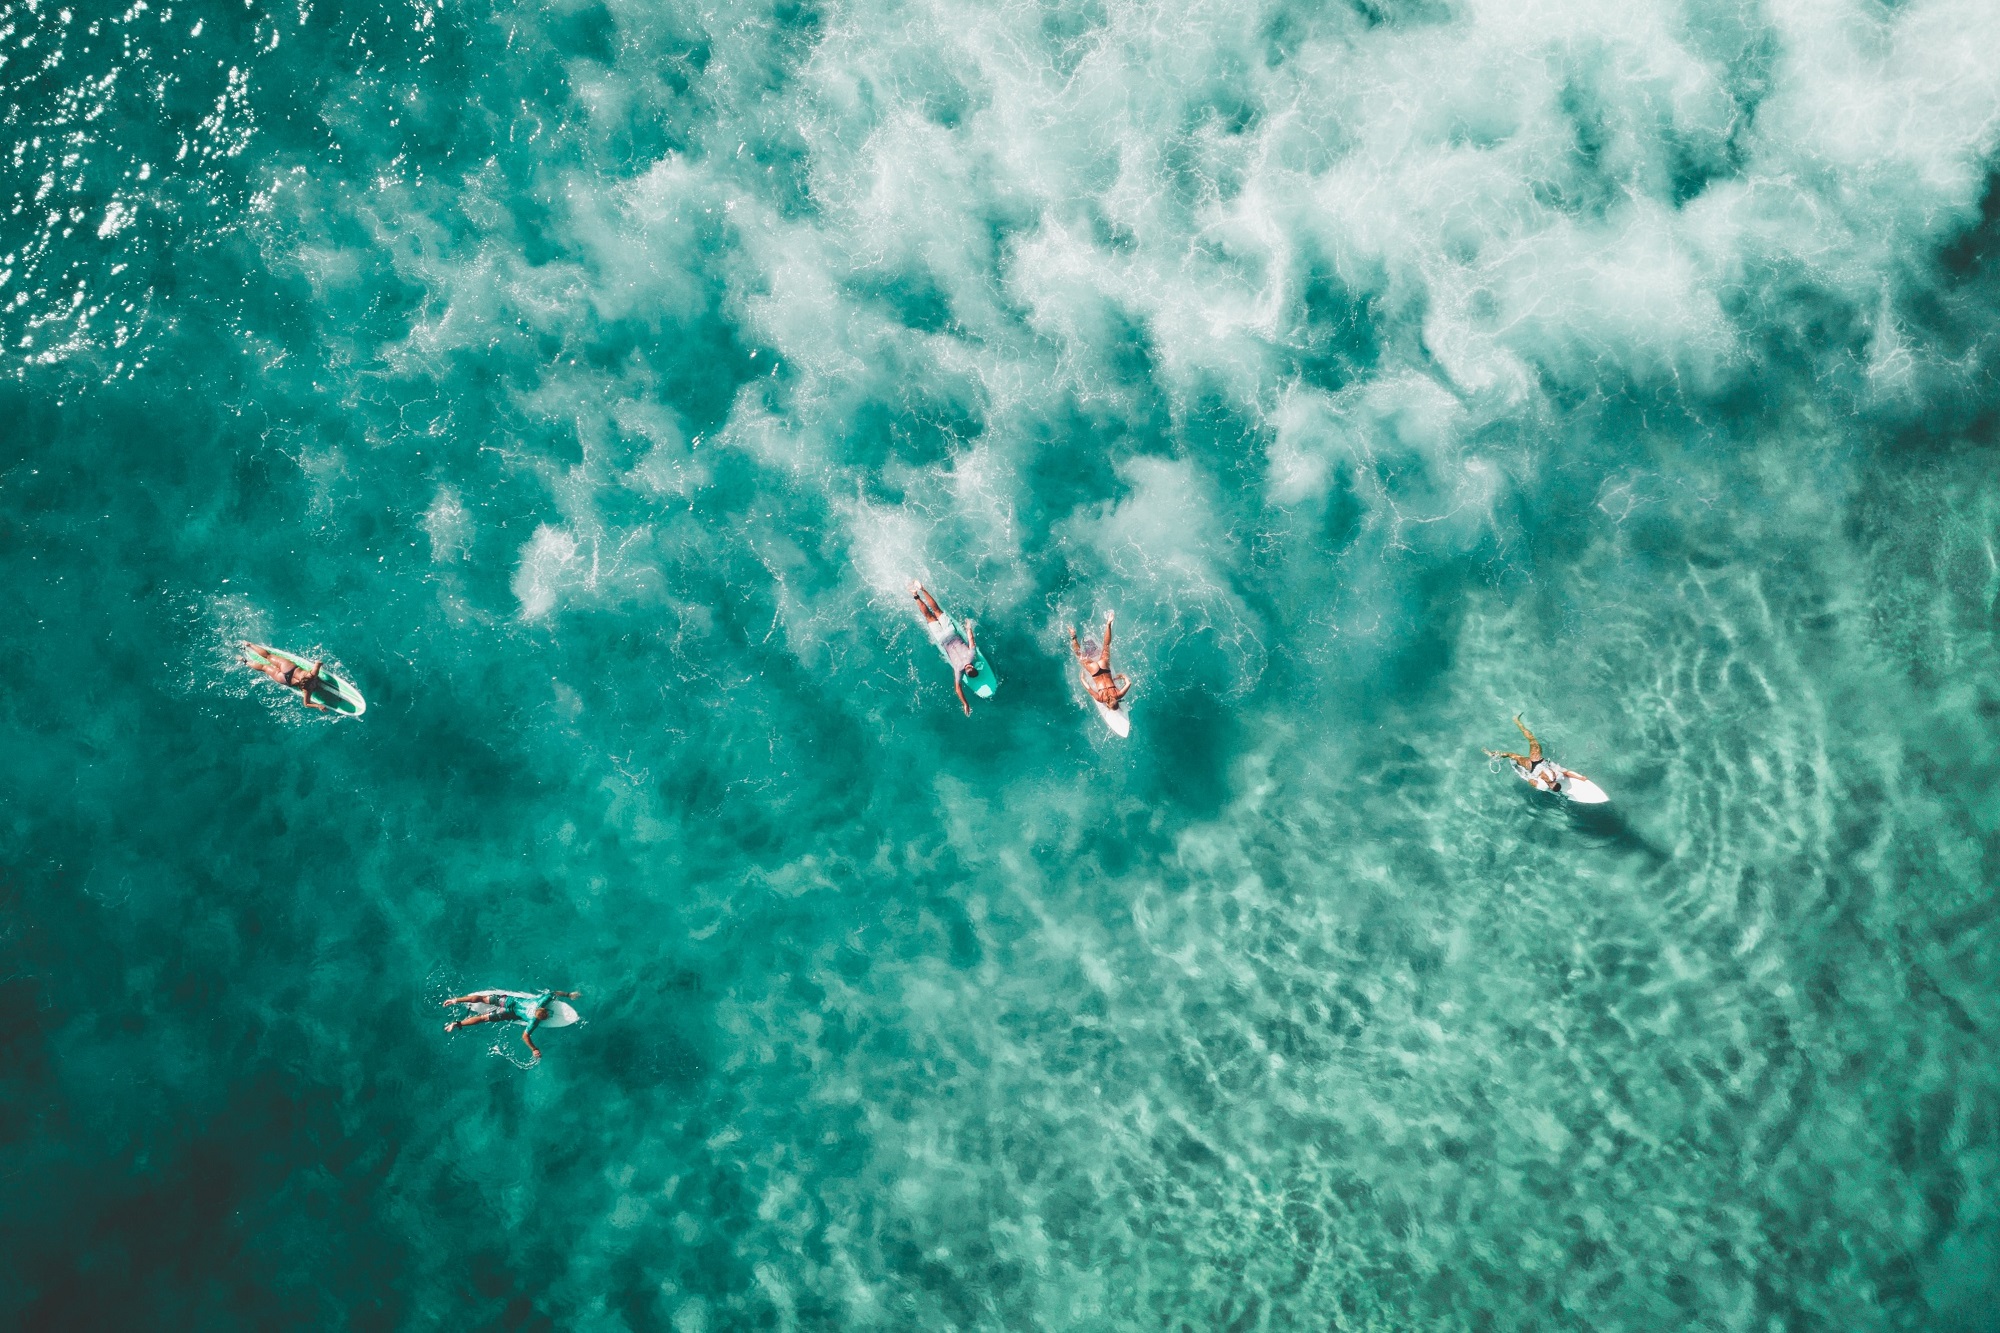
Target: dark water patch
{"points": [[1404, 13], [1340, 339], [588, 31], [1978, 243], [915, 298], [1070, 32]]}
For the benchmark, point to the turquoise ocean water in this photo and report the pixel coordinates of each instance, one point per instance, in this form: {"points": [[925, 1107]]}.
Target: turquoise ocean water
{"points": [[588, 380]]}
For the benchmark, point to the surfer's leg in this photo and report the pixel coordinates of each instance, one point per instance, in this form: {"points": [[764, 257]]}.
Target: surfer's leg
{"points": [[1508, 754], [1534, 746], [475, 1021]]}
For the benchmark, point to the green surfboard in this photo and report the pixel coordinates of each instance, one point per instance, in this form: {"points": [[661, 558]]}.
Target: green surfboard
{"points": [[343, 699]]}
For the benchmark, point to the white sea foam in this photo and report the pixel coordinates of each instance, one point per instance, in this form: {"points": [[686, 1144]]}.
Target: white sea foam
{"points": [[449, 526], [1500, 190], [550, 561]]}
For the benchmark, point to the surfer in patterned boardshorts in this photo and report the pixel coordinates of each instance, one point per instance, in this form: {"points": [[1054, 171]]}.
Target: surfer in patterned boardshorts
{"points": [[959, 649], [502, 1006]]}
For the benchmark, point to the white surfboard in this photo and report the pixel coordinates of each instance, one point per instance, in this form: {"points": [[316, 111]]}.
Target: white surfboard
{"points": [[1583, 791], [1578, 788], [1117, 719]]}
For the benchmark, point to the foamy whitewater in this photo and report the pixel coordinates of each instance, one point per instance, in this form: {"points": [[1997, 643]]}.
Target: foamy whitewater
{"points": [[588, 381]]}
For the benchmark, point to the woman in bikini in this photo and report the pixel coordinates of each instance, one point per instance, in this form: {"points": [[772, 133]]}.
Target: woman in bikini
{"points": [[1104, 687], [292, 677], [1543, 774]]}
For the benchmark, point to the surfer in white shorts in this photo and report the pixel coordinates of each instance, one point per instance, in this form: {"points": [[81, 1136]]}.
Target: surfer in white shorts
{"points": [[1104, 687], [1542, 774], [307, 683], [500, 1006], [958, 649]]}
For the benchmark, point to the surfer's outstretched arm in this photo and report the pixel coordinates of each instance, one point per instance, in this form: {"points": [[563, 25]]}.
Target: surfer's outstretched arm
{"points": [[958, 684], [531, 1041], [1534, 746]]}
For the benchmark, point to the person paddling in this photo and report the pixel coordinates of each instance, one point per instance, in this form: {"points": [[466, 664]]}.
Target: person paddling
{"points": [[961, 650], [1542, 774], [507, 1006], [291, 675], [1104, 687]]}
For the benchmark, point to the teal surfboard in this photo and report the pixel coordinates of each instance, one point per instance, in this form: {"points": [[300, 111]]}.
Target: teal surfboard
{"points": [[982, 682], [344, 699]]}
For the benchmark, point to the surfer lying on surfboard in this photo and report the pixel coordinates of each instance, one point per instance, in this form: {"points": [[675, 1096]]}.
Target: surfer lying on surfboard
{"points": [[960, 650], [307, 683], [1542, 774], [508, 1006], [1104, 687]]}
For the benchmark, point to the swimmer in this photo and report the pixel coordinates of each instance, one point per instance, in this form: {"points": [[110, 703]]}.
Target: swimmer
{"points": [[292, 677], [506, 1006], [959, 650], [1104, 687], [1542, 774]]}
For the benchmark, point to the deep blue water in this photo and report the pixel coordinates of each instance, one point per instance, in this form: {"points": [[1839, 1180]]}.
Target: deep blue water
{"points": [[588, 381]]}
